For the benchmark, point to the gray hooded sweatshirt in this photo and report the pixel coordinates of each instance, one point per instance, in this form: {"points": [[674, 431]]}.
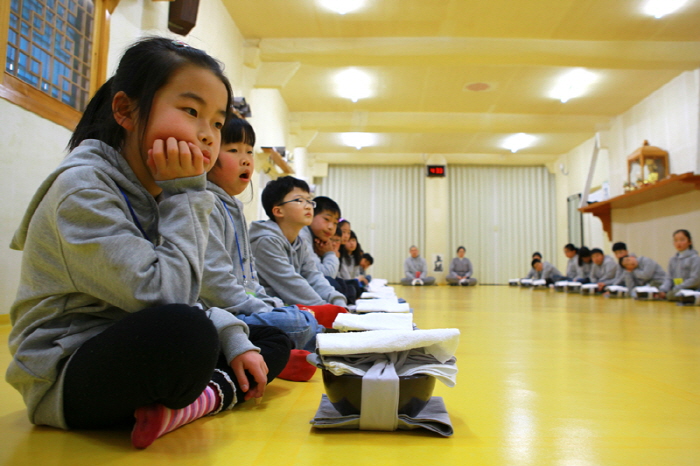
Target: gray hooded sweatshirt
{"points": [[606, 272], [288, 270], [684, 267], [648, 272], [87, 264], [329, 264], [226, 271]]}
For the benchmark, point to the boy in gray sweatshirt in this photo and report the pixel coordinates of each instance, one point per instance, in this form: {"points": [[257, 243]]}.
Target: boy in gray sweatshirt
{"points": [[285, 264], [604, 269], [640, 271]]}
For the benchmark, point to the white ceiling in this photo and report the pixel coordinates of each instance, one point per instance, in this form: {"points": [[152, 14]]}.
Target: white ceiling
{"points": [[423, 54]]}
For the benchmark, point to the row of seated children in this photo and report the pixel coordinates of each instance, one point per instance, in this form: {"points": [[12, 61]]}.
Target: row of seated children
{"points": [[593, 266], [143, 298], [335, 250]]}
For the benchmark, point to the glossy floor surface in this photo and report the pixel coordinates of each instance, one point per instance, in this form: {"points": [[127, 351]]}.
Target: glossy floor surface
{"points": [[545, 378]]}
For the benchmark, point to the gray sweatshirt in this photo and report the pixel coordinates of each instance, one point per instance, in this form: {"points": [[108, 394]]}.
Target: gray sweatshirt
{"points": [[86, 264], [329, 264], [571, 266], [548, 272], [224, 277], [683, 267], [648, 272], [605, 272], [348, 269], [461, 267], [412, 265], [288, 270], [583, 271]]}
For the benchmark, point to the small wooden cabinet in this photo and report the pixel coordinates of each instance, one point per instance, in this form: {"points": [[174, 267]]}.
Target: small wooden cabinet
{"points": [[645, 166]]}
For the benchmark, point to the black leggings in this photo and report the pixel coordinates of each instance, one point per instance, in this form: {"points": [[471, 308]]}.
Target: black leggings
{"points": [[163, 355]]}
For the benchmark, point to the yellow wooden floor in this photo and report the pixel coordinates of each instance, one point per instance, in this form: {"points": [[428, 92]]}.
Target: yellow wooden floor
{"points": [[545, 379]]}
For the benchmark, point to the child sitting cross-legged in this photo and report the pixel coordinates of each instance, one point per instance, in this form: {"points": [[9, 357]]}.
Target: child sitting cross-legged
{"points": [[230, 281], [285, 263]]}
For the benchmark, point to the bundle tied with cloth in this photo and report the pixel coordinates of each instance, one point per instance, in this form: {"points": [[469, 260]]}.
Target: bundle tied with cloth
{"points": [[383, 379]]}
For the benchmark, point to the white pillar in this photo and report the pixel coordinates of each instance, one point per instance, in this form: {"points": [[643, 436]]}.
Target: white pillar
{"points": [[301, 164]]}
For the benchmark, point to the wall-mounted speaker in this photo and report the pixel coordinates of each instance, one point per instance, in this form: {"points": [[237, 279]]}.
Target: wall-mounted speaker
{"points": [[182, 16]]}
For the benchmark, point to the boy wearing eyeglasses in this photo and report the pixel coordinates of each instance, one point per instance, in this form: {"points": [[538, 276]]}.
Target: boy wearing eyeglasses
{"points": [[284, 262]]}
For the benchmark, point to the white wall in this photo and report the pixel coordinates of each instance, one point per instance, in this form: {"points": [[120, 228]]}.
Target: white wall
{"points": [[668, 118], [33, 147]]}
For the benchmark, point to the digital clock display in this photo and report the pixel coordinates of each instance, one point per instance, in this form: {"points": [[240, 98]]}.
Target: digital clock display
{"points": [[436, 170]]}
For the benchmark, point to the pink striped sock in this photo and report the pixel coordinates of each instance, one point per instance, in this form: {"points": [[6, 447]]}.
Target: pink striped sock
{"points": [[155, 420]]}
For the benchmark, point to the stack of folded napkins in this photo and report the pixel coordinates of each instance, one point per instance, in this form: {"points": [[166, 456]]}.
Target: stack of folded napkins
{"points": [[617, 291], [347, 322], [645, 292], [690, 296], [589, 288], [380, 357], [381, 305]]}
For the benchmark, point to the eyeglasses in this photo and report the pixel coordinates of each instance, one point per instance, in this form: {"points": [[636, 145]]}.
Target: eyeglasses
{"points": [[300, 200]]}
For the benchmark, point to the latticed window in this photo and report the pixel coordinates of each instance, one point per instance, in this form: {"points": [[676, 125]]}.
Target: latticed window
{"points": [[49, 46], [55, 54]]}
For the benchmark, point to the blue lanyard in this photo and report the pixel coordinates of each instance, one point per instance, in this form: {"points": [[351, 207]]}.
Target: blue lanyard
{"points": [[238, 245], [133, 214]]}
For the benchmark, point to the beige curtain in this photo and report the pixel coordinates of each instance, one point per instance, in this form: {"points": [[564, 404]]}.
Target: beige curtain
{"points": [[501, 215], [386, 208]]}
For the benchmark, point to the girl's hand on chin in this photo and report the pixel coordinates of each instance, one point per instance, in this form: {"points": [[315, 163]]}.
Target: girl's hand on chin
{"points": [[171, 159]]}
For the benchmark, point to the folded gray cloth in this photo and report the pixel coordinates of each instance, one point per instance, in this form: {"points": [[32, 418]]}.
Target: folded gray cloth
{"points": [[433, 417]]}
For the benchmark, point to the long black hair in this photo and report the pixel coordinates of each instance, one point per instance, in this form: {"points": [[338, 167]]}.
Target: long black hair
{"points": [[356, 254], [583, 252], [144, 68]]}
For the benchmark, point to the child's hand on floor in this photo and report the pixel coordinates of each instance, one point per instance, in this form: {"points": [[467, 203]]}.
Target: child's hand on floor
{"points": [[254, 363]]}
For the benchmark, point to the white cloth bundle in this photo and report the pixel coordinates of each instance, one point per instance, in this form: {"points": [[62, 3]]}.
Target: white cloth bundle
{"points": [[526, 281], [379, 294], [373, 321], [687, 292], [539, 282], [646, 289], [377, 284], [589, 288], [381, 305], [441, 343]]}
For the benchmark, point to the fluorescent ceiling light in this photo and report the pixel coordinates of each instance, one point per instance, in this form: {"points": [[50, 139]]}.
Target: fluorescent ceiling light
{"points": [[573, 84], [358, 140], [342, 6], [519, 141], [660, 8], [354, 84]]}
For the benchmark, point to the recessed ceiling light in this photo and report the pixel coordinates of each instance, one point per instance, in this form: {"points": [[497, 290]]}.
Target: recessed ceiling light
{"points": [[358, 140], [354, 84], [573, 84], [661, 8], [518, 141], [342, 6]]}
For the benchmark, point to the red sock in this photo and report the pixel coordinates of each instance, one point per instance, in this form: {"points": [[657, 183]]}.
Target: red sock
{"points": [[155, 420], [298, 369], [325, 314]]}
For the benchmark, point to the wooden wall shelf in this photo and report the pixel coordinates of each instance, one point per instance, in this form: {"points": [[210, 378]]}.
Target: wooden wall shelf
{"points": [[671, 186]]}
